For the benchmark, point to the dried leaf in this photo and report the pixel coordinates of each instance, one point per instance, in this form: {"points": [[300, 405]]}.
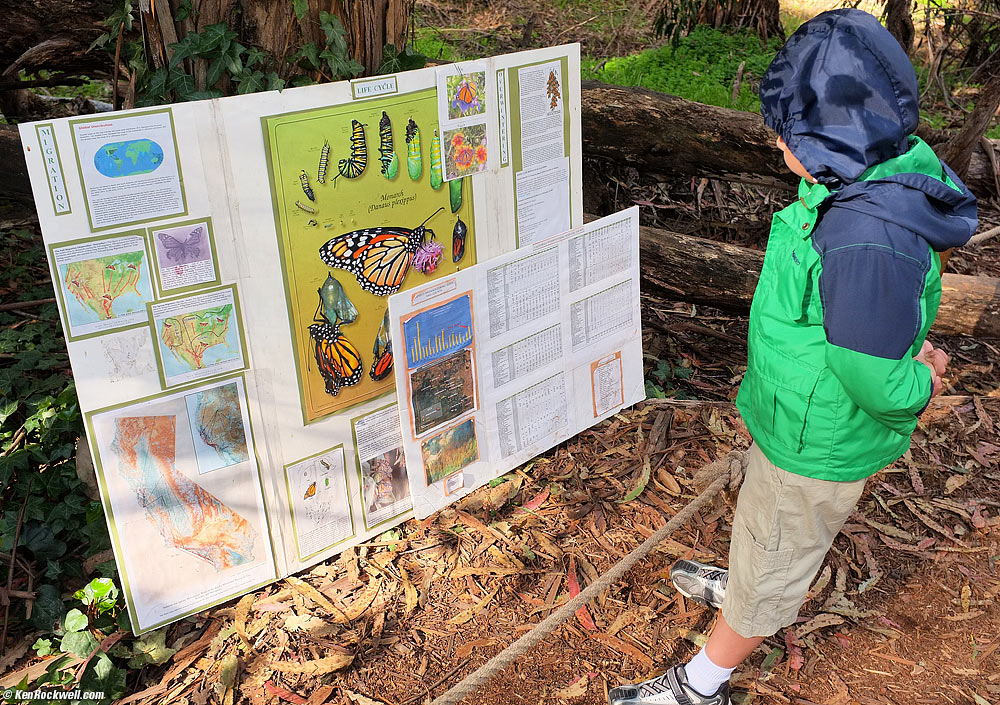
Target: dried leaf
{"points": [[623, 647], [409, 591], [574, 689], [640, 483], [536, 501], [966, 595], [284, 694], [582, 615], [318, 667], [668, 481], [818, 622], [363, 600], [467, 648], [954, 482], [465, 615], [321, 695], [313, 594], [360, 699]]}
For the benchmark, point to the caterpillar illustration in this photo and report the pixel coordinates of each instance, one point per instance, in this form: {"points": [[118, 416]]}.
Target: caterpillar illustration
{"points": [[324, 157], [354, 166], [306, 188], [414, 164], [437, 180], [303, 206], [386, 150]]}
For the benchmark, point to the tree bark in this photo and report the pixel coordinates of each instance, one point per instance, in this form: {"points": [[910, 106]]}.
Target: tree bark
{"points": [[699, 271], [53, 35], [899, 22], [663, 136], [958, 151]]}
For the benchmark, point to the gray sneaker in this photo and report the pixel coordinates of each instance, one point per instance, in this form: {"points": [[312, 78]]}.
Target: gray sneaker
{"points": [[702, 583], [672, 688]]}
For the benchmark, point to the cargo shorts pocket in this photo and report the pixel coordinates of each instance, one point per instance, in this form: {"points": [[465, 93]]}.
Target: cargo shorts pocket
{"points": [[757, 582]]}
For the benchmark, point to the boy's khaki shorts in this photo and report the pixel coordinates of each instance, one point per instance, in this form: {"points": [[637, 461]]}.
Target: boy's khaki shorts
{"points": [[783, 528]]}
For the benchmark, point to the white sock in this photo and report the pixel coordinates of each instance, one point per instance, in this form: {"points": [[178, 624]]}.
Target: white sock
{"points": [[704, 676]]}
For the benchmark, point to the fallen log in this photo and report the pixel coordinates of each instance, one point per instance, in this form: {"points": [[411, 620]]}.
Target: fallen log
{"points": [[702, 271], [663, 136]]}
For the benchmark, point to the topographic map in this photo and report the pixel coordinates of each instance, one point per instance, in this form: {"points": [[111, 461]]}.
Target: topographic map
{"points": [[129, 158], [189, 335], [98, 283], [217, 421], [186, 515]]}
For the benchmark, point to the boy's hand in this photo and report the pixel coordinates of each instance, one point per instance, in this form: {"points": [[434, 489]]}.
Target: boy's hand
{"points": [[937, 361]]}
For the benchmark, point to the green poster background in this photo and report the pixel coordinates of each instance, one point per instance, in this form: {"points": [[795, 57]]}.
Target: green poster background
{"points": [[294, 142]]}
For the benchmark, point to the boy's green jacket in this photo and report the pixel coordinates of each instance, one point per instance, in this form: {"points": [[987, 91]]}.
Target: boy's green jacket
{"points": [[851, 278], [832, 390]]}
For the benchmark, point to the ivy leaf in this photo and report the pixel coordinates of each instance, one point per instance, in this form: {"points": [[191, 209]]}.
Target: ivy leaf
{"points": [[99, 591], [215, 71], [308, 53], [275, 82], [47, 609], [80, 644], [301, 7], [39, 539], [75, 621], [151, 648], [42, 647], [103, 675]]}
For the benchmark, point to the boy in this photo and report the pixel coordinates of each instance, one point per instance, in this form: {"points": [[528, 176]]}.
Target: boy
{"points": [[838, 369]]}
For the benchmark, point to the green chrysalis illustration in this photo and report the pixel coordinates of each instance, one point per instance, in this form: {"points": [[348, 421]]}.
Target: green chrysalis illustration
{"points": [[455, 192], [437, 178]]}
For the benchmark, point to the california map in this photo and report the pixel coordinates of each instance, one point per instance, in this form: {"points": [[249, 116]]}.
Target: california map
{"points": [[187, 516]]}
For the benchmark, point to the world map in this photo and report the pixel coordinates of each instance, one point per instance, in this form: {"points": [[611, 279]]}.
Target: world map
{"points": [[129, 158]]}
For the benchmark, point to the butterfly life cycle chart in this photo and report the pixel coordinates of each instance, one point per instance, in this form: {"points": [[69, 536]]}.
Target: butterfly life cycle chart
{"points": [[223, 270]]}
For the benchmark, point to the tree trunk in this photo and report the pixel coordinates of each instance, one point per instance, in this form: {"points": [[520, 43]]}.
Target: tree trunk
{"points": [[53, 35], [686, 268], [957, 152], [662, 136], [899, 22]]}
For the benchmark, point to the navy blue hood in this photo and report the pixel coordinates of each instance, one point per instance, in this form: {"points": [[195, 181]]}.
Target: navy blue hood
{"points": [[842, 94]]}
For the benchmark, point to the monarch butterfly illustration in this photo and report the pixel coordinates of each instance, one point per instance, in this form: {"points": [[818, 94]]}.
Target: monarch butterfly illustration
{"points": [[414, 163], [386, 150], [354, 166], [306, 188], [436, 177], [304, 207], [338, 360], [182, 249], [311, 492], [455, 194], [379, 258], [458, 240], [324, 157], [382, 350]]}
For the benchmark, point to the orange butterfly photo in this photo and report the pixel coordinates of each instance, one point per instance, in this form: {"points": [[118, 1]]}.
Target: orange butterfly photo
{"points": [[466, 94]]}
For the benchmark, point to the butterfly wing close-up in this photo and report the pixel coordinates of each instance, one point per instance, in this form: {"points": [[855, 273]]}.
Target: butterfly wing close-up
{"points": [[377, 257]]}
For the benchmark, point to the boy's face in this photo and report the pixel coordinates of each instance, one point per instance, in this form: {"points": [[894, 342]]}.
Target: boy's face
{"points": [[792, 162]]}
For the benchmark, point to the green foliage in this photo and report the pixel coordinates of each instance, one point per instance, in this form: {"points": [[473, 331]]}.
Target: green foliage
{"points": [[333, 61], [395, 61], [701, 67], [660, 381]]}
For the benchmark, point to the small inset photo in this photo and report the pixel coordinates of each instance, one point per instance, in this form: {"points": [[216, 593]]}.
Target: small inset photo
{"points": [[447, 453], [466, 94], [464, 151]]}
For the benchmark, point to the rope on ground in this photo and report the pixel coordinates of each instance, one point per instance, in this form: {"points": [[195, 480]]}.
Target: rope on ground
{"points": [[726, 471]]}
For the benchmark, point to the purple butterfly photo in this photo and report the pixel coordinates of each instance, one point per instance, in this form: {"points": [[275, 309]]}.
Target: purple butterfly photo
{"points": [[180, 246]]}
